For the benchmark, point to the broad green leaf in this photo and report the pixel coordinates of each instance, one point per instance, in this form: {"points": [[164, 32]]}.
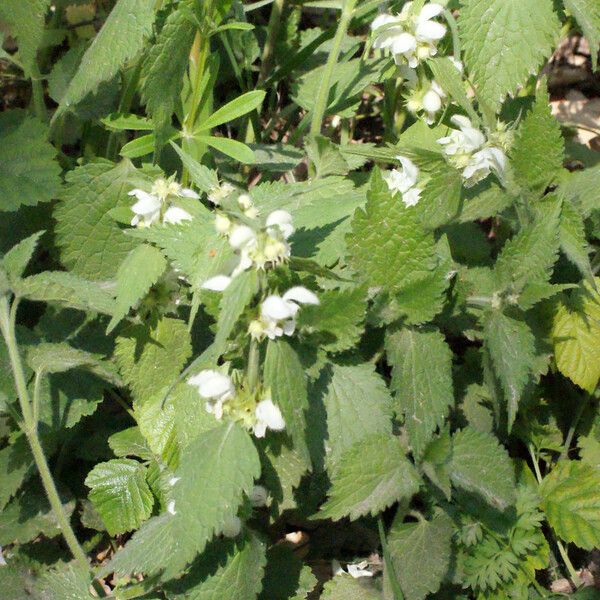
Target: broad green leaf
{"points": [[16, 466], [15, 261], [68, 582], [28, 172], [538, 151], [229, 147], [227, 569], [571, 501], [358, 405], [388, 244], [580, 187], [511, 346], [422, 380], [441, 198], [68, 290], [504, 42], [482, 204], [140, 270], [576, 336], [122, 36], [215, 471], [573, 240], [371, 475], [482, 466], [587, 14], [149, 360], [157, 426], [120, 494], [284, 375], [129, 122], [421, 554], [344, 587], [130, 442], [232, 110], [204, 178], [92, 244], [326, 157]]}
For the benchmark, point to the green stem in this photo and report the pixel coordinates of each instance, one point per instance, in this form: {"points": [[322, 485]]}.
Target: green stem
{"points": [[323, 91], [565, 451], [391, 573], [455, 36], [272, 33], [253, 364], [39, 106]]}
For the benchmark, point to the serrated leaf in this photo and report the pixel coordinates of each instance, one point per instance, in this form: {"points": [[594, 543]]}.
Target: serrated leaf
{"points": [[441, 198], [358, 405], [130, 442], [204, 178], [571, 501], [421, 554], [68, 582], [28, 172], [140, 270], [343, 587], [587, 14], [150, 360], [387, 243], [122, 36], [16, 466], [284, 375], [580, 188], [372, 474], [326, 157], [120, 494], [511, 346], [481, 465], [15, 261], [538, 151], [502, 47], [422, 381], [92, 244], [573, 240], [68, 290], [576, 336], [484, 203]]}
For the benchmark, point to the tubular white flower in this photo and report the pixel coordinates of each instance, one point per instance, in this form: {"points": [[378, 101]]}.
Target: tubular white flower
{"points": [[241, 236], [358, 570], [268, 416], [467, 140], [412, 197], [171, 507], [217, 194], [280, 220], [482, 163], [301, 295], [176, 215], [146, 209], [218, 283], [427, 30], [404, 181], [214, 387], [277, 313], [222, 223]]}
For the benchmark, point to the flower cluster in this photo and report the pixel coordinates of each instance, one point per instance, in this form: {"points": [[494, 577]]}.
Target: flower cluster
{"points": [[157, 206], [404, 181], [468, 149], [256, 411], [411, 38], [278, 313]]}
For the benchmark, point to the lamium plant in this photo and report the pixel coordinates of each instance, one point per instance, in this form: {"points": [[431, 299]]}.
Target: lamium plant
{"points": [[298, 300]]}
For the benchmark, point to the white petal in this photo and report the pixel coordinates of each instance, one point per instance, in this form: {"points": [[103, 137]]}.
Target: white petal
{"points": [[302, 295], [381, 20], [411, 198], [430, 31], [289, 327], [187, 193], [267, 412], [359, 570], [147, 203], [176, 215], [403, 43], [2, 559], [432, 102], [260, 428], [217, 283], [276, 308], [212, 384], [240, 236], [429, 11], [410, 170], [461, 121], [171, 507]]}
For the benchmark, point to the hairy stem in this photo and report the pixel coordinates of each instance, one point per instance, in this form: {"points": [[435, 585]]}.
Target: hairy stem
{"points": [[272, 33], [389, 567], [253, 364]]}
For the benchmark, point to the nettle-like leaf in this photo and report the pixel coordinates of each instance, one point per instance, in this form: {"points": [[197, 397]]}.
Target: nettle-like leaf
{"points": [[122, 36], [29, 173], [442, 197], [421, 554], [358, 405], [120, 494], [343, 587], [16, 466], [422, 381], [482, 466], [388, 244], [587, 14], [579, 187], [573, 240], [70, 581], [505, 41], [538, 150], [15, 261], [576, 336], [571, 501], [371, 475]]}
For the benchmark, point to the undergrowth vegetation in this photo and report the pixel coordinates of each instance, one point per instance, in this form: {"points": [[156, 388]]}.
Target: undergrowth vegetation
{"points": [[278, 271]]}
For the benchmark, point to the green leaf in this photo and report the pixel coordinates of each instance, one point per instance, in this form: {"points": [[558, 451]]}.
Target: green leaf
{"points": [[229, 147], [232, 110], [511, 346], [215, 471], [120, 494], [571, 501], [502, 47], [92, 244], [482, 204], [28, 172], [573, 240], [481, 465], [68, 290], [358, 405], [16, 465], [227, 569], [580, 188], [326, 157], [576, 336], [371, 475], [15, 261], [140, 270], [421, 554], [69, 582], [130, 442], [344, 587], [441, 199], [150, 360], [205, 179], [422, 380], [284, 374], [387, 244], [538, 151], [128, 122], [587, 14], [122, 36]]}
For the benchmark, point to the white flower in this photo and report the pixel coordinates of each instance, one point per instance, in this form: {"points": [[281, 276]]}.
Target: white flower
{"points": [[171, 507], [482, 163], [241, 236], [280, 221], [176, 215], [173, 480], [404, 181], [146, 209], [268, 416], [217, 284], [217, 194], [463, 141], [278, 313], [232, 527], [432, 102], [163, 189], [214, 387], [258, 496], [2, 559], [222, 224], [358, 570]]}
